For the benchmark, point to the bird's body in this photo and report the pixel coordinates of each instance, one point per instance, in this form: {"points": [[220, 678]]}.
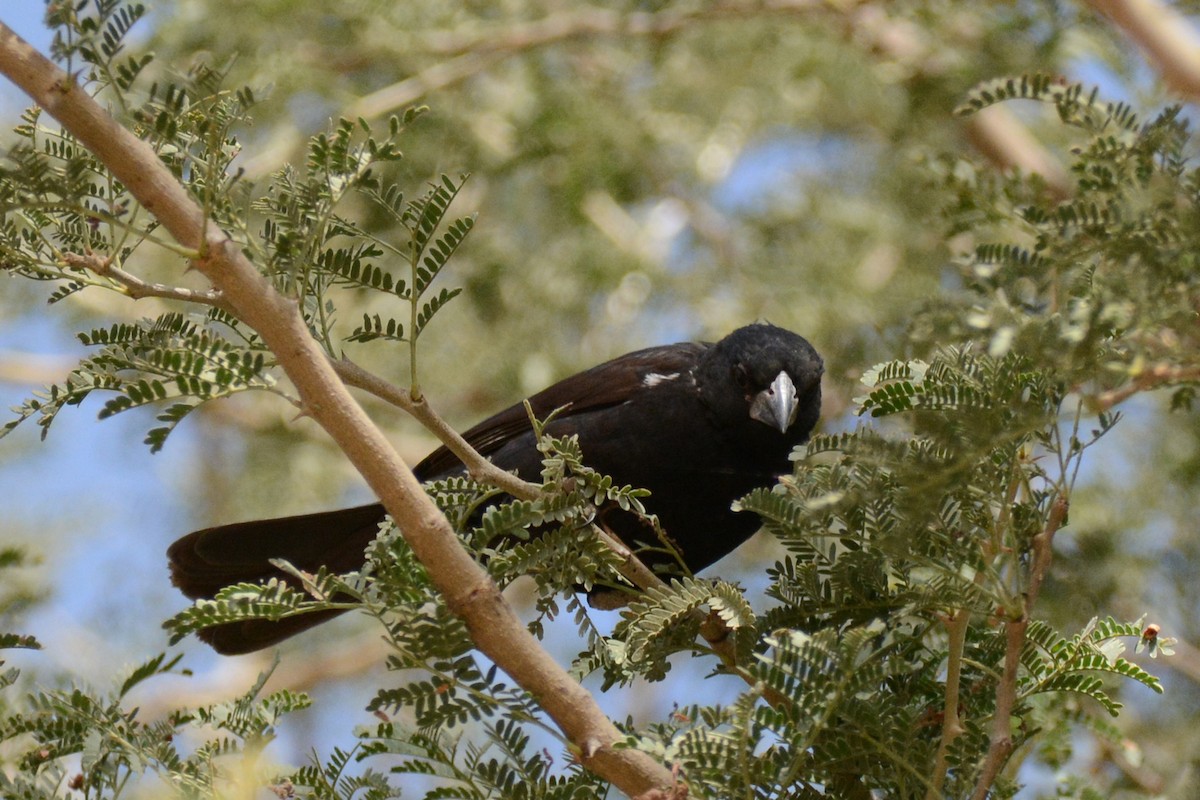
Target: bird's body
{"points": [[698, 425]]}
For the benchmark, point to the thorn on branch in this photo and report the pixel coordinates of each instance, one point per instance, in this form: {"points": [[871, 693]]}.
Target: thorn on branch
{"points": [[589, 747]]}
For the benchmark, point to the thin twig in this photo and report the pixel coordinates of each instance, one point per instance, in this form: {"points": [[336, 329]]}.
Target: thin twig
{"points": [[1001, 745], [472, 54], [713, 630], [391, 99], [477, 466], [1146, 779], [135, 287], [1153, 378], [952, 727]]}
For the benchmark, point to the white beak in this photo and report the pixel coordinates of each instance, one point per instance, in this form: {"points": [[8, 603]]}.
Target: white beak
{"points": [[777, 404]]}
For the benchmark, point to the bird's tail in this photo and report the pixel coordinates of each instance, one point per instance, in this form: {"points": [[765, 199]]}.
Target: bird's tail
{"points": [[206, 561]]}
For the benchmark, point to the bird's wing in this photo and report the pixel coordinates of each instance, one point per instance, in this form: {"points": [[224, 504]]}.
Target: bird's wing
{"points": [[603, 386]]}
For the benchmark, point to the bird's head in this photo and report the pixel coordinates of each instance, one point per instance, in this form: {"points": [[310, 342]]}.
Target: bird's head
{"points": [[764, 380]]}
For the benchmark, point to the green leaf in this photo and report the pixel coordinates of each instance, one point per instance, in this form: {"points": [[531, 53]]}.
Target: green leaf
{"points": [[18, 641], [375, 327]]}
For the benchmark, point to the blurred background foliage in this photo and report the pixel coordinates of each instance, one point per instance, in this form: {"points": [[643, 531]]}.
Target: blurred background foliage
{"points": [[647, 172], [643, 172]]}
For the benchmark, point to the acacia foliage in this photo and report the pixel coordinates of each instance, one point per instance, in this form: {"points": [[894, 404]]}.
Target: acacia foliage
{"points": [[944, 510]]}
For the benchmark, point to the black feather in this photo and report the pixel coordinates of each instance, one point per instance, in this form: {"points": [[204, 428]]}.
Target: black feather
{"points": [[674, 419]]}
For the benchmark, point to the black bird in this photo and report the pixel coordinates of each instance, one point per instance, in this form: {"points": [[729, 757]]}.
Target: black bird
{"points": [[698, 424]]}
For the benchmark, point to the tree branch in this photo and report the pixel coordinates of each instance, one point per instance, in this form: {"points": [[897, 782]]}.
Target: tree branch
{"points": [[466, 587], [1168, 38], [584, 23], [137, 288], [1007, 143], [1001, 745], [472, 54], [477, 466], [1152, 378], [995, 132], [33, 368], [956, 626], [631, 568]]}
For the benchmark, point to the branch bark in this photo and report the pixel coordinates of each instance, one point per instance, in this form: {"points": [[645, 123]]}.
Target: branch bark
{"points": [[957, 624], [135, 287], [1156, 376], [997, 134], [632, 569], [471, 54], [468, 591], [477, 466], [1006, 142], [1001, 744], [1168, 39]]}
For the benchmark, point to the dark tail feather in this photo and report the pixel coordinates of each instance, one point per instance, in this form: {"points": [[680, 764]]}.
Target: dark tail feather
{"points": [[206, 561], [236, 638]]}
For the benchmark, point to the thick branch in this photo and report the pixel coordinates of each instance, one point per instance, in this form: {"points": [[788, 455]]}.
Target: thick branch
{"points": [[1168, 38], [468, 591], [1008, 143]]}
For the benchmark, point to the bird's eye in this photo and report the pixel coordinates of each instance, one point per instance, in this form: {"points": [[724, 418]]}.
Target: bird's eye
{"points": [[741, 377]]}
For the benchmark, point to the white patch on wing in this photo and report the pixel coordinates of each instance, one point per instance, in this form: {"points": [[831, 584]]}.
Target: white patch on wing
{"points": [[655, 378]]}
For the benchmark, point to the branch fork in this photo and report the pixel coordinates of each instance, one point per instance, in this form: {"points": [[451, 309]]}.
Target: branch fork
{"points": [[495, 628]]}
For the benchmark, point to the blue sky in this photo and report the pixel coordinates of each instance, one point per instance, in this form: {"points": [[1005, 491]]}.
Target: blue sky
{"points": [[96, 481]]}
